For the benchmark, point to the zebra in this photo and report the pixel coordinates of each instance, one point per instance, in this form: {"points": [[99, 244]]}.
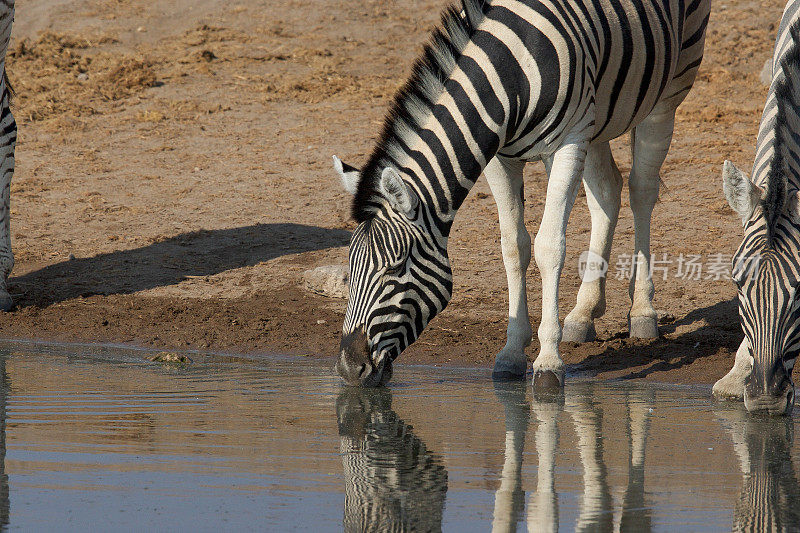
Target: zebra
{"points": [[8, 140], [503, 82], [393, 482], [766, 266]]}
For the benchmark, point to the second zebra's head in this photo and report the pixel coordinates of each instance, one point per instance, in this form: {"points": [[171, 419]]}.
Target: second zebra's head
{"points": [[766, 271], [400, 276]]}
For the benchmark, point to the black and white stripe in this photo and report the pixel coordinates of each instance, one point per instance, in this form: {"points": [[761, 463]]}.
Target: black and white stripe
{"points": [[8, 139], [512, 79], [767, 262], [769, 499], [392, 481]]}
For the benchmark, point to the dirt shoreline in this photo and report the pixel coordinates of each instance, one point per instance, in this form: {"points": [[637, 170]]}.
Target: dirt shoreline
{"points": [[250, 326], [174, 182]]}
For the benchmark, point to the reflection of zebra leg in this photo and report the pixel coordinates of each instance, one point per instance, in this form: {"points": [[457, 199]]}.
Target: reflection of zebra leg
{"points": [[635, 512], [543, 505], [733, 421], [392, 482], [509, 500], [595, 512], [770, 497]]}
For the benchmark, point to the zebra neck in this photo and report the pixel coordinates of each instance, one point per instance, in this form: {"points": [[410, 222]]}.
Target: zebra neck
{"points": [[445, 157]]}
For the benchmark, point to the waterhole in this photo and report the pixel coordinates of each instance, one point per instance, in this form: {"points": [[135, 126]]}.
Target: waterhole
{"points": [[103, 438]]}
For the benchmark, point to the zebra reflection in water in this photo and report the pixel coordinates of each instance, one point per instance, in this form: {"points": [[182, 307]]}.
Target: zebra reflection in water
{"points": [[393, 482], [770, 497], [596, 511]]}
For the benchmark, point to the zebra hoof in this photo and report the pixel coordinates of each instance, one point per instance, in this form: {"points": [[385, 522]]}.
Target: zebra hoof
{"points": [[509, 371], [578, 332], [6, 302], [547, 380], [643, 327]]}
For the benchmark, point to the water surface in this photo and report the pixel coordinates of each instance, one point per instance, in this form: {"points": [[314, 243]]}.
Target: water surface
{"points": [[102, 438]]}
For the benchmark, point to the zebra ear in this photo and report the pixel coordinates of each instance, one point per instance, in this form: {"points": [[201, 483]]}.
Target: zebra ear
{"points": [[793, 207], [743, 195], [350, 176], [400, 195]]}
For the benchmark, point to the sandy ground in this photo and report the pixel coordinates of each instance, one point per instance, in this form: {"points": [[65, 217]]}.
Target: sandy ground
{"points": [[174, 181]]}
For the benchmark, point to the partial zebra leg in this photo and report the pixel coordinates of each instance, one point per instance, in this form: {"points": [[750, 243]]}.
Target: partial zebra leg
{"points": [[8, 139], [603, 184], [650, 143], [732, 385], [549, 249], [505, 180]]}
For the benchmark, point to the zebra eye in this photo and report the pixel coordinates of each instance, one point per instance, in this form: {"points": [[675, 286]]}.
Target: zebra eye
{"points": [[393, 270]]}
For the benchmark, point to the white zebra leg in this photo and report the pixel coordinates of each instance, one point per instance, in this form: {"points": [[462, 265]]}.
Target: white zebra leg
{"points": [[549, 250], [650, 142], [8, 138], [732, 385], [603, 184], [505, 180]]}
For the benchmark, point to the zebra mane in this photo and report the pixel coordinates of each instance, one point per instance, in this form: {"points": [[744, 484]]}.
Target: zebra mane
{"points": [[9, 89], [414, 102], [787, 98]]}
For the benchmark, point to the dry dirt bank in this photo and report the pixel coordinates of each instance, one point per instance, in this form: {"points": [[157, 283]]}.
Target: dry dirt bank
{"points": [[174, 181]]}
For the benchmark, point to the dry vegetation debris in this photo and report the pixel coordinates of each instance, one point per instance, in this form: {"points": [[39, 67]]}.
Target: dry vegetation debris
{"points": [[59, 74]]}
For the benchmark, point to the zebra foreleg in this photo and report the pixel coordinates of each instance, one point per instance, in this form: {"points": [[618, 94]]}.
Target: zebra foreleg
{"points": [[8, 138], [549, 250], [732, 385], [603, 184], [505, 180], [650, 143]]}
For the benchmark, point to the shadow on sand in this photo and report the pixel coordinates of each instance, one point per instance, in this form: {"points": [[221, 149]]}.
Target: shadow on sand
{"points": [[720, 330], [170, 261]]}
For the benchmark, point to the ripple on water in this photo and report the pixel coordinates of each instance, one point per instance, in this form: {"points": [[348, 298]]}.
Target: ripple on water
{"points": [[100, 437]]}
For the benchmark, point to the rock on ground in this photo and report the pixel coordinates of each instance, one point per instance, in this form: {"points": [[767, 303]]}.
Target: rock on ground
{"points": [[766, 72], [328, 280]]}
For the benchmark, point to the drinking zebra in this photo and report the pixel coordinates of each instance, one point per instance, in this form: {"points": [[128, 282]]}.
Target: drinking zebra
{"points": [[8, 139], [504, 82], [766, 266]]}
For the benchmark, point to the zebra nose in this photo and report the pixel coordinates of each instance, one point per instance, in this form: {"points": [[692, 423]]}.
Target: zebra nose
{"points": [[772, 394], [354, 364]]}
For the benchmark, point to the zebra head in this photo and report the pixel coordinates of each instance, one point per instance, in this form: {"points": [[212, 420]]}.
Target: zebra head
{"points": [[400, 278], [765, 270]]}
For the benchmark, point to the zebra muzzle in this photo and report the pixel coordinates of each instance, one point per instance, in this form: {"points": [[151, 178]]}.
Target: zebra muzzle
{"points": [[771, 393], [354, 365]]}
